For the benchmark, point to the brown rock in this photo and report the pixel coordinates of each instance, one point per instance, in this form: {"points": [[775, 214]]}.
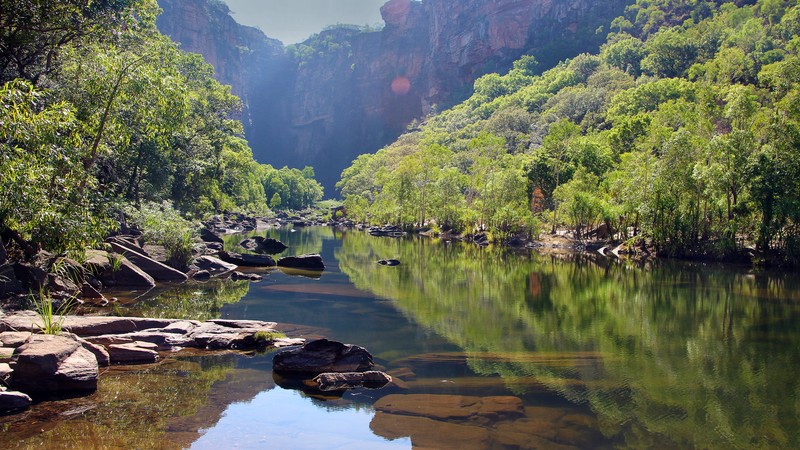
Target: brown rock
{"points": [[452, 407], [430, 434], [84, 325], [53, 364], [247, 260], [13, 339], [132, 353]]}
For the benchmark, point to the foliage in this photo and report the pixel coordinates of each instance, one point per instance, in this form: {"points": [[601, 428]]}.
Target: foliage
{"points": [[51, 316], [99, 111], [684, 132], [163, 225]]}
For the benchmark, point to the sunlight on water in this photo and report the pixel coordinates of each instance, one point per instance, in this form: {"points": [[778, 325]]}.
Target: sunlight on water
{"points": [[286, 419]]}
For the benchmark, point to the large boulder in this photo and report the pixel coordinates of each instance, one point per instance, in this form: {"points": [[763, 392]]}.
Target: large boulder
{"points": [[262, 244], [305, 262], [247, 260], [159, 271], [323, 356], [48, 364]]}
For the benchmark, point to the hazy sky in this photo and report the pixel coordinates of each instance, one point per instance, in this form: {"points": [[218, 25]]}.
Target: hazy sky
{"points": [[293, 21]]}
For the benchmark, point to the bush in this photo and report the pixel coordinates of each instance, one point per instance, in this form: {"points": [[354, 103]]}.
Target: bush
{"points": [[163, 225]]}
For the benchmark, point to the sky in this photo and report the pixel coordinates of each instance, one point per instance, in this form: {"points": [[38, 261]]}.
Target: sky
{"points": [[292, 21]]}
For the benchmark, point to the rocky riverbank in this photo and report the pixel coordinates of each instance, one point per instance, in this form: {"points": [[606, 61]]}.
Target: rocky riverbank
{"points": [[36, 366]]}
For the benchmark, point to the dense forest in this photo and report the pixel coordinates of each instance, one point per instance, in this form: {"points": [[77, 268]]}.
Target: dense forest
{"points": [[100, 113], [683, 132]]}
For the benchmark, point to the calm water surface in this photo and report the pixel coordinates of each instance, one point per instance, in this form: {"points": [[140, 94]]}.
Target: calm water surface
{"points": [[598, 352]]}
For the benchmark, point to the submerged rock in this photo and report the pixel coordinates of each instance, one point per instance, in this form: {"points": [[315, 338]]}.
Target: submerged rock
{"points": [[237, 276], [307, 262], [323, 356], [350, 380], [452, 407]]}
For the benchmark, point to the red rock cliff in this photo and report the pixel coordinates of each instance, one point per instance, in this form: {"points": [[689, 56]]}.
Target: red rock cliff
{"points": [[348, 92]]}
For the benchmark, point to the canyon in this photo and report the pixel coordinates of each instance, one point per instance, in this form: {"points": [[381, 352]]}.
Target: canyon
{"points": [[350, 90]]}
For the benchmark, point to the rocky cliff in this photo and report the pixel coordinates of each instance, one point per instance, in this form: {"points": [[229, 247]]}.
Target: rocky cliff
{"points": [[348, 91]]}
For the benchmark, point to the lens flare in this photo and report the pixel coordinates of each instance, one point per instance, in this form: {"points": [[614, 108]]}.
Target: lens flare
{"points": [[401, 85]]}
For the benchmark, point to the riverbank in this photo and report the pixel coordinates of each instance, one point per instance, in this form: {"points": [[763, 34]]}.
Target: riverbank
{"points": [[38, 366]]}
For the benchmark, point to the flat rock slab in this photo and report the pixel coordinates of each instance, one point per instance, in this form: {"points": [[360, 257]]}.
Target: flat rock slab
{"points": [[84, 325], [132, 353], [53, 364], [323, 356], [215, 266], [11, 401], [456, 408], [159, 271]]}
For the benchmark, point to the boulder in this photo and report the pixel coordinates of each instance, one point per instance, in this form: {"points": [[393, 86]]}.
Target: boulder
{"points": [[98, 263], [159, 271], [48, 364], [261, 244], [99, 352], [389, 262], [11, 401], [13, 339], [350, 380], [305, 262], [247, 260], [220, 337], [5, 373], [215, 266], [323, 356], [238, 276]]}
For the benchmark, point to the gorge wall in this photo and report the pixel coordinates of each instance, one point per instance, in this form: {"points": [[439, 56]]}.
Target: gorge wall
{"points": [[348, 91]]}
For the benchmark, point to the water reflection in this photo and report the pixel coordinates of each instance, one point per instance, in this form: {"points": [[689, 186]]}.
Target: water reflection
{"points": [[689, 353]]}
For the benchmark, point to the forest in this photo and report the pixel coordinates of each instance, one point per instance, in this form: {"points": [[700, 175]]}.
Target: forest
{"points": [[101, 114], [683, 132]]}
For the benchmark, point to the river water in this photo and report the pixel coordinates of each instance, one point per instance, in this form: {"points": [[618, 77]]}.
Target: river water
{"points": [[490, 348]]}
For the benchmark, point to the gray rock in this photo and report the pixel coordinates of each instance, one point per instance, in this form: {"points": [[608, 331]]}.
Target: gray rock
{"points": [[12, 401], [157, 270], [262, 244], [129, 275], [48, 364], [323, 356], [247, 260], [14, 339], [351, 380], [215, 266], [209, 236], [201, 275], [239, 276], [306, 262]]}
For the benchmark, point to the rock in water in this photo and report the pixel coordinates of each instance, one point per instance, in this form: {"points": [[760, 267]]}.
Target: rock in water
{"points": [[323, 356], [307, 262], [247, 260], [263, 245], [389, 262], [48, 364], [12, 401], [350, 380]]}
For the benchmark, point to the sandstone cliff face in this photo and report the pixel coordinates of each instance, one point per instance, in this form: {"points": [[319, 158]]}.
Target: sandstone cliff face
{"points": [[347, 92]]}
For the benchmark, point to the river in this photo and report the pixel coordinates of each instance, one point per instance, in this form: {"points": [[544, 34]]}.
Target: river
{"points": [[491, 348]]}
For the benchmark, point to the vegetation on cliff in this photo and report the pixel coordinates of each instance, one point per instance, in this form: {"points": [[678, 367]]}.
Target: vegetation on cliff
{"points": [[683, 130], [98, 110]]}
